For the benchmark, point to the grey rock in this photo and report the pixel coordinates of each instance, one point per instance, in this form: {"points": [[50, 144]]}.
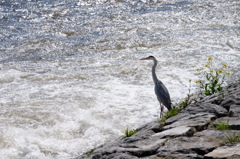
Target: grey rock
{"points": [[176, 155], [214, 98], [217, 110], [140, 135], [231, 96], [177, 131], [176, 118], [114, 156], [232, 122], [226, 103], [212, 133], [195, 145], [225, 152], [234, 110], [227, 97], [146, 147], [220, 135], [199, 121], [188, 135], [120, 156], [154, 126], [138, 148]]}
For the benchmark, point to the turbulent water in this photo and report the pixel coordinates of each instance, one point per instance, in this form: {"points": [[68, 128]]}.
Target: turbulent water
{"points": [[70, 78]]}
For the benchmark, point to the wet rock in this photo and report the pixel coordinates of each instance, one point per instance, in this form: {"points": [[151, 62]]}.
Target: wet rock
{"points": [[232, 151]]}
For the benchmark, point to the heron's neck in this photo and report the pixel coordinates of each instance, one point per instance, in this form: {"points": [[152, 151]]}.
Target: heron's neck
{"points": [[154, 71]]}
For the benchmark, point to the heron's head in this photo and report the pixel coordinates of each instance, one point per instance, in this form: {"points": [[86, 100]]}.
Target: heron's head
{"points": [[148, 58]]}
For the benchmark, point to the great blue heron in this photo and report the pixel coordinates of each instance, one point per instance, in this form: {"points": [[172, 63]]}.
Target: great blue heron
{"points": [[160, 89]]}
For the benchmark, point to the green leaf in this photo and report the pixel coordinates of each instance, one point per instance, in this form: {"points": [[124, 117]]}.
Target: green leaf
{"points": [[207, 93]]}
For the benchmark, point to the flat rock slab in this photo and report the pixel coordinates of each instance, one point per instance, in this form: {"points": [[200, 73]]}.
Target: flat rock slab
{"points": [[232, 122], [217, 110], [220, 135], [177, 131], [140, 135], [225, 152], [235, 110], [154, 126], [175, 155], [197, 145], [138, 148], [199, 121], [114, 156], [144, 147]]}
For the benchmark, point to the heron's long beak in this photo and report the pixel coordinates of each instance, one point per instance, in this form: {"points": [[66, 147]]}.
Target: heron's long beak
{"points": [[144, 58]]}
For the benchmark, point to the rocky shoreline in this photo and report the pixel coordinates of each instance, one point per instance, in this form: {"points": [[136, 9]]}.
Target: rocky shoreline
{"points": [[191, 134]]}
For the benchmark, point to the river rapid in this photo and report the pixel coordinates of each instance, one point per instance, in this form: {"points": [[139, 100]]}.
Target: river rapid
{"points": [[70, 74]]}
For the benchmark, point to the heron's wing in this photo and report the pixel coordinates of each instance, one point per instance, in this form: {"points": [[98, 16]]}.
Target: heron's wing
{"points": [[162, 94], [162, 90]]}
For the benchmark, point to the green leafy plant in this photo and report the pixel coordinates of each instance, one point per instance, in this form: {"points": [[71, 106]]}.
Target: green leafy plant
{"points": [[170, 113], [222, 126], [213, 77], [129, 133], [189, 99], [90, 152], [233, 138]]}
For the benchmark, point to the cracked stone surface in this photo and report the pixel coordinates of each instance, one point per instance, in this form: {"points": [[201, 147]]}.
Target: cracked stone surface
{"points": [[225, 152], [191, 134], [176, 131], [199, 145]]}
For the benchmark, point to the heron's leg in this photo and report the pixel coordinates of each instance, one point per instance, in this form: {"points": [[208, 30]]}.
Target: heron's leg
{"points": [[161, 110]]}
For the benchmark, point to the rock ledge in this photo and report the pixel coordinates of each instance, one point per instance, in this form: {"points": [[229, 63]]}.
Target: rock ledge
{"points": [[188, 135]]}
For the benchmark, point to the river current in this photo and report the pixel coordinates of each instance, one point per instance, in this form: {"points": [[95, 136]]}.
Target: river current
{"points": [[70, 74]]}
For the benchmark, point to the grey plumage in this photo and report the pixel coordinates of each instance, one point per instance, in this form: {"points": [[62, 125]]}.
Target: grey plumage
{"points": [[160, 89], [163, 95]]}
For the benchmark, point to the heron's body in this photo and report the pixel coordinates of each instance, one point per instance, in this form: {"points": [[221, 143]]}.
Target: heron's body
{"points": [[160, 89], [163, 95]]}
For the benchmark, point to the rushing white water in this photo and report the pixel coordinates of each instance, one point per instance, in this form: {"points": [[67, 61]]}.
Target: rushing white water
{"points": [[70, 75]]}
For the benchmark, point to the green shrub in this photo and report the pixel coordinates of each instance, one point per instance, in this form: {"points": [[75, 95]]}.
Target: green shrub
{"points": [[129, 133], [90, 152], [189, 99], [222, 126], [213, 77], [233, 138], [170, 113]]}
